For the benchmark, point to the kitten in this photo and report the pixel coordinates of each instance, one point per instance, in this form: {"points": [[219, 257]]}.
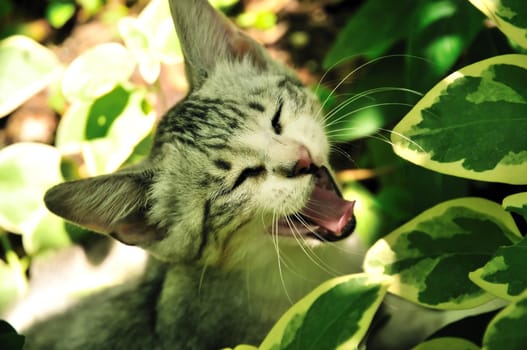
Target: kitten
{"points": [[235, 204]]}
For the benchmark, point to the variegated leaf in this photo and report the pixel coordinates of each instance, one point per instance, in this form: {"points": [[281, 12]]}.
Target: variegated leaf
{"points": [[336, 315], [506, 330], [504, 275], [429, 258], [509, 15], [472, 124], [97, 71], [516, 203], [447, 343], [105, 130]]}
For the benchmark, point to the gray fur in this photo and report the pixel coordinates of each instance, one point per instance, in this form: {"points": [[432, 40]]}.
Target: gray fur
{"points": [[217, 276]]}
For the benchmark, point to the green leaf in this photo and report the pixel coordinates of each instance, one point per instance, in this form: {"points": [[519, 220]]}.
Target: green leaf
{"points": [[378, 32], [92, 7], [504, 275], [442, 31], [447, 343], [516, 203], [26, 67], [261, 20], [429, 258], [509, 15], [27, 170], [243, 347], [9, 338], [97, 71], [472, 124], [368, 227], [223, 3], [506, 330], [107, 130], [336, 315], [49, 234], [58, 13], [13, 285]]}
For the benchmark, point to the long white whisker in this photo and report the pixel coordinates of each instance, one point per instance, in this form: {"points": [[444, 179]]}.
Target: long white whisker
{"points": [[275, 239], [362, 66], [310, 253], [367, 93], [345, 115]]}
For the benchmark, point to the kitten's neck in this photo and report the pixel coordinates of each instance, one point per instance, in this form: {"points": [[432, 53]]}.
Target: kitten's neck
{"points": [[287, 269]]}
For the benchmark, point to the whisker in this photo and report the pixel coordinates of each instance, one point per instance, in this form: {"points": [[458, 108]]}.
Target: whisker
{"points": [[275, 239], [310, 253], [345, 115], [354, 71], [367, 93]]}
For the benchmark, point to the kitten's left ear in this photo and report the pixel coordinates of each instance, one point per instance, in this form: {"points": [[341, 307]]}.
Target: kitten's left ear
{"points": [[207, 37], [115, 205]]}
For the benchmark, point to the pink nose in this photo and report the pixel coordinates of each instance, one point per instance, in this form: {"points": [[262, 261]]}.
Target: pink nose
{"points": [[304, 164]]}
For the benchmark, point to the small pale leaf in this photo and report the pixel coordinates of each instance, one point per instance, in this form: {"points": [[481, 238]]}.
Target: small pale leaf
{"points": [[472, 124], [49, 234], [27, 170], [139, 41], [26, 67], [430, 257], [97, 71]]}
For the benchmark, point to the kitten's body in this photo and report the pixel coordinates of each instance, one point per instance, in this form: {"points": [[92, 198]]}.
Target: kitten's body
{"points": [[214, 204], [178, 307]]}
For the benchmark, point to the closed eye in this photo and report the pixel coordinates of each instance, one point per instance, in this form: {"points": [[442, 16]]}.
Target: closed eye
{"points": [[247, 173], [275, 122]]}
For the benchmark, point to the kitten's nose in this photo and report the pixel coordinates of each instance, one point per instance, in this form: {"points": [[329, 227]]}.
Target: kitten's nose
{"points": [[304, 165]]}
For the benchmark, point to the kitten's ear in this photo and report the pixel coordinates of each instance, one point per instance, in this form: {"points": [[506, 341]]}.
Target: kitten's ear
{"points": [[114, 204], [207, 37]]}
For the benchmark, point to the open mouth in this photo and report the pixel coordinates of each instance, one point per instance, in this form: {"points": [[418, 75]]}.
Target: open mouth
{"points": [[326, 215]]}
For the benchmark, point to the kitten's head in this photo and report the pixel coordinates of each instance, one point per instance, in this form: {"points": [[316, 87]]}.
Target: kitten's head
{"points": [[244, 156]]}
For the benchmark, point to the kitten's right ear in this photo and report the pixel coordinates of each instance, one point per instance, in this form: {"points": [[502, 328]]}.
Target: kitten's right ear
{"points": [[115, 204], [207, 37]]}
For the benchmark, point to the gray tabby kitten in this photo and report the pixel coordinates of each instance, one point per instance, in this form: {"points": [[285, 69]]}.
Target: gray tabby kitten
{"points": [[235, 204]]}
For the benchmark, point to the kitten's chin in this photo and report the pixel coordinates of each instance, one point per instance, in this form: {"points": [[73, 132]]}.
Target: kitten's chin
{"points": [[325, 217]]}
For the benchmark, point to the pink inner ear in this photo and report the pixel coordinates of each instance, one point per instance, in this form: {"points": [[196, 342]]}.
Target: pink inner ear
{"points": [[242, 46], [136, 233]]}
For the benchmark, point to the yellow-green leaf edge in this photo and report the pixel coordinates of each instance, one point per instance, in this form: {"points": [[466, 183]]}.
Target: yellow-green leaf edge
{"points": [[490, 9], [382, 249], [303, 305], [507, 173], [516, 200], [515, 311], [449, 343]]}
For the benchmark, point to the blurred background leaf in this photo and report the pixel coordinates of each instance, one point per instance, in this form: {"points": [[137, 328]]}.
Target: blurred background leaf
{"points": [[26, 67]]}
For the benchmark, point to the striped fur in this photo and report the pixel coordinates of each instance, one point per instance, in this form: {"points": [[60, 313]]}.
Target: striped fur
{"points": [[202, 205]]}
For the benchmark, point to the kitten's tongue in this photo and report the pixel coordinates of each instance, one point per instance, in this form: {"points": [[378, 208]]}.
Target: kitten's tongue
{"points": [[328, 210]]}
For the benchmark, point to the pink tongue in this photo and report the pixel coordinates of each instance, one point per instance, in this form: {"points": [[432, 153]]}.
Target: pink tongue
{"points": [[327, 210]]}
